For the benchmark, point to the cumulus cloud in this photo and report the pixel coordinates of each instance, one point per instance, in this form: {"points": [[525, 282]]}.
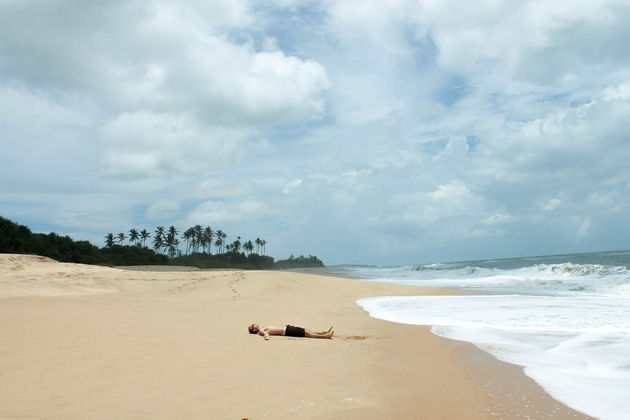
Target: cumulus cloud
{"points": [[145, 143], [454, 193], [617, 93], [178, 88], [562, 37], [140, 55]]}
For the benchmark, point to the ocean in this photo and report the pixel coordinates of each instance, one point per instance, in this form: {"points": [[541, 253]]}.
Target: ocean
{"points": [[564, 318]]}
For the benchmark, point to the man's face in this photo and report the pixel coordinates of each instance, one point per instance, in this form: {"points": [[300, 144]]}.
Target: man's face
{"points": [[254, 328]]}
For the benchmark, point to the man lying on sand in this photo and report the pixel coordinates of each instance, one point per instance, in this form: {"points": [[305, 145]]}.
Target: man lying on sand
{"points": [[289, 331]]}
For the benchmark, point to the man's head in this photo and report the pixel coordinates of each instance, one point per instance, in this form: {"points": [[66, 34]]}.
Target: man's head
{"points": [[253, 329]]}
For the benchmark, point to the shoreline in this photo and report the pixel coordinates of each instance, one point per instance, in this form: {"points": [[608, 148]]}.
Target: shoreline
{"points": [[496, 373], [503, 373], [174, 345]]}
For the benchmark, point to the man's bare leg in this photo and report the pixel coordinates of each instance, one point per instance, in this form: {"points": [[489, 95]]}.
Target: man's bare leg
{"points": [[323, 334]]}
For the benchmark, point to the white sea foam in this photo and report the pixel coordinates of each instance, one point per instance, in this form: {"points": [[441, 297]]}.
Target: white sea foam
{"points": [[567, 278], [567, 324], [578, 349]]}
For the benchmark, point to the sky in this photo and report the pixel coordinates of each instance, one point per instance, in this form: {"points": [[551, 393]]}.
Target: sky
{"points": [[381, 132]]}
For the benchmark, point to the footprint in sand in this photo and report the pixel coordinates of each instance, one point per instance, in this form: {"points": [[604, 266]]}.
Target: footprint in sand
{"points": [[355, 337], [236, 295], [182, 286]]}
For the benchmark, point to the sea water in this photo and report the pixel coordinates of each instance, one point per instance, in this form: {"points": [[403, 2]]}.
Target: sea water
{"points": [[565, 319]]}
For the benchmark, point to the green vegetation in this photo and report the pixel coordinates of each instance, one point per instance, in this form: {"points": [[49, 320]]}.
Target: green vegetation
{"points": [[18, 239], [227, 260], [299, 262], [200, 243], [131, 255]]}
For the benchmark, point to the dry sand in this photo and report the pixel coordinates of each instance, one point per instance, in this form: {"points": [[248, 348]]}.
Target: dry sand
{"points": [[86, 342]]}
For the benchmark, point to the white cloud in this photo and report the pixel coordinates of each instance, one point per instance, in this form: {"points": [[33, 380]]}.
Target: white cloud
{"points": [[375, 21], [217, 14], [292, 185], [174, 59], [220, 189], [456, 148], [145, 144], [552, 204], [497, 219], [21, 107], [218, 213], [455, 193], [617, 93], [280, 88], [489, 35], [583, 227], [452, 200], [164, 209]]}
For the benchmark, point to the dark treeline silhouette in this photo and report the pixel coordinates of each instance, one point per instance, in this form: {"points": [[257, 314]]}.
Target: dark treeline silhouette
{"points": [[199, 240], [299, 262], [205, 248], [18, 239]]}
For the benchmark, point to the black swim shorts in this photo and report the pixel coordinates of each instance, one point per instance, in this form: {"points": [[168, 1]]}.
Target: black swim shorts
{"points": [[292, 331]]}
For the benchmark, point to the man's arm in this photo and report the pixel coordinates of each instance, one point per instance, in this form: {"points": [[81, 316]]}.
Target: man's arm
{"points": [[264, 333]]}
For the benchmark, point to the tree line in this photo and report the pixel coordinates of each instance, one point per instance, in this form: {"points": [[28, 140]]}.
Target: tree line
{"points": [[18, 239], [205, 248], [199, 240]]}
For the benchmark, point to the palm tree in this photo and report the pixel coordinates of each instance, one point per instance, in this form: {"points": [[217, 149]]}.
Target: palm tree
{"points": [[144, 235], [189, 236], [203, 241], [220, 240], [258, 243], [198, 230], [264, 243], [207, 238], [171, 241], [223, 237], [133, 235], [236, 245], [109, 240], [249, 247], [173, 231], [121, 237], [158, 239]]}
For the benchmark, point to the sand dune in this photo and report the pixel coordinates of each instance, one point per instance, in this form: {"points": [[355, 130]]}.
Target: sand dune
{"points": [[26, 275], [85, 342]]}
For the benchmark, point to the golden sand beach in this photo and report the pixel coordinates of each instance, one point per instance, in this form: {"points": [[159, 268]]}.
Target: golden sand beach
{"points": [[88, 342]]}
